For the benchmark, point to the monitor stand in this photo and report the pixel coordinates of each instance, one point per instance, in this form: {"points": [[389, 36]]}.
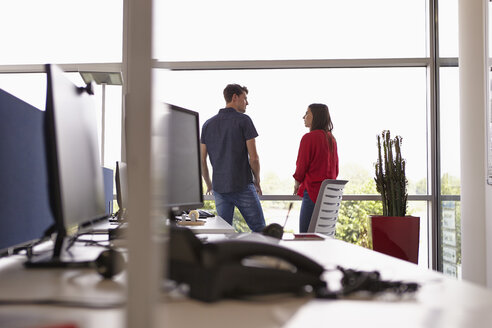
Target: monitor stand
{"points": [[52, 259]]}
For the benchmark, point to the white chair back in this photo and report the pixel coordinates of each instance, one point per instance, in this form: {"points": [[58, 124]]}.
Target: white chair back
{"points": [[325, 214]]}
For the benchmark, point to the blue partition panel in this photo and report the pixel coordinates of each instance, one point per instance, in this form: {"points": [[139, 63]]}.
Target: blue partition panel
{"points": [[108, 189], [25, 212]]}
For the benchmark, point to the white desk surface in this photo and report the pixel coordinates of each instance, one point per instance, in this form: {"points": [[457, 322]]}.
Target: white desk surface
{"points": [[213, 225], [441, 301]]}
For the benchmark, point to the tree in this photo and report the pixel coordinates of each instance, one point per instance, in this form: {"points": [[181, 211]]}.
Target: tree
{"points": [[353, 218]]}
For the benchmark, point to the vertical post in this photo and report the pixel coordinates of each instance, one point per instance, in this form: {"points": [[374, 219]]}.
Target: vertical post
{"points": [[434, 239], [143, 263], [473, 105], [103, 122]]}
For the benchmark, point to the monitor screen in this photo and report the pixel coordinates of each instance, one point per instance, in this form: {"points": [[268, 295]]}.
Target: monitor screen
{"points": [[76, 178], [121, 189], [184, 180], [25, 213]]}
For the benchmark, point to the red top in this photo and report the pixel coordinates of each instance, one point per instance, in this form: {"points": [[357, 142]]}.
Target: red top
{"points": [[315, 162]]}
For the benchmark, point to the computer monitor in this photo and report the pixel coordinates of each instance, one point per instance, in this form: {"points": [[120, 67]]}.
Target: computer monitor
{"points": [[184, 179], [121, 190], [25, 214], [74, 168]]}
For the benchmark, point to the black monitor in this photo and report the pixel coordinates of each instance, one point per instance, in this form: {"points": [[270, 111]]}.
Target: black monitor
{"points": [[74, 168], [184, 179], [25, 214], [121, 190]]}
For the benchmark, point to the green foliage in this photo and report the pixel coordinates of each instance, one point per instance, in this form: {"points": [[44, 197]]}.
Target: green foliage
{"points": [[357, 177], [272, 184], [390, 178], [209, 205], [353, 224], [450, 185]]}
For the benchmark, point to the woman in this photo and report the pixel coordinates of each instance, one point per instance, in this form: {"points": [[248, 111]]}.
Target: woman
{"points": [[317, 160]]}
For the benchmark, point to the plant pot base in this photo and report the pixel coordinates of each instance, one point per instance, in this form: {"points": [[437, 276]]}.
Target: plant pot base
{"points": [[396, 236]]}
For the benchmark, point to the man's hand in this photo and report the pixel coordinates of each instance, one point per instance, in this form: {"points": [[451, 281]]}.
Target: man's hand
{"points": [[209, 189], [258, 188], [205, 174]]}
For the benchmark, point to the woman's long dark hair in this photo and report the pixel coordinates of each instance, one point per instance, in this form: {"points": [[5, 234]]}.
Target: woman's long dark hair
{"points": [[322, 121]]}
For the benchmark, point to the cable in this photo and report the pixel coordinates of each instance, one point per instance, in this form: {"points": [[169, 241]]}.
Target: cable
{"points": [[89, 304], [366, 281]]}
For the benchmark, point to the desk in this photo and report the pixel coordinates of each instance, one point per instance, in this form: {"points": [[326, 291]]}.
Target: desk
{"points": [[441, 301], [213, 225], [76, 285]]}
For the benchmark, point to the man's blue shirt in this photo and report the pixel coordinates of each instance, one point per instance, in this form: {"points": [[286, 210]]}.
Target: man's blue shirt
{"points": [[225, 136]]}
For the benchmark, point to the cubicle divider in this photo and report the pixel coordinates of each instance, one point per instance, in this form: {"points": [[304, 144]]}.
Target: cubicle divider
{"points": [[108, 177], [25, 212]]}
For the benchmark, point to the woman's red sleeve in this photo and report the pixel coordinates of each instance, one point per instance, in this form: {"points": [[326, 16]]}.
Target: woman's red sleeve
{"points": [[303, 159]]}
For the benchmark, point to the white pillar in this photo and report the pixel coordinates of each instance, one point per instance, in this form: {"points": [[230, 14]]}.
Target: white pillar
{"points": [[473, 105], [144, 262]]}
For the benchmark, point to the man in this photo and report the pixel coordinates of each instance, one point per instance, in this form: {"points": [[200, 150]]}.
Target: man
{"points": [[229, 139]]}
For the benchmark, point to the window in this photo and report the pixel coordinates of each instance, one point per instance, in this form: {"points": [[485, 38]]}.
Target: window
{"points": [[362, 103], [449, 222], [288, 29], [31, 88], [369, 61], [59, 31]]}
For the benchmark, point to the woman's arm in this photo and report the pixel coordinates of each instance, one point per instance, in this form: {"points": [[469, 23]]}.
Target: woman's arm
{"points": [[303, 159]]}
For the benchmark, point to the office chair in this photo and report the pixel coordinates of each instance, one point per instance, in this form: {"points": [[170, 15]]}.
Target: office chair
{"points": [[325, 214]]}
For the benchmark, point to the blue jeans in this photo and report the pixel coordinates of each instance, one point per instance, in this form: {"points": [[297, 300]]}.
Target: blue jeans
{"points": [[248, 204], [307, 208]]}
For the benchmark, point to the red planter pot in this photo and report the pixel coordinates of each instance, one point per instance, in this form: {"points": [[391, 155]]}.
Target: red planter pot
{"points": [[396, 236]]}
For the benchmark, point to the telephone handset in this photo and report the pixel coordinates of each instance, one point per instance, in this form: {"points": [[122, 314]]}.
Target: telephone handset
{"points": [[220, 269]]}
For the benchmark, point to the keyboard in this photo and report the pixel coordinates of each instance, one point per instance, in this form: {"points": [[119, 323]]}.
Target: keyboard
{"points": [[203, 214]]}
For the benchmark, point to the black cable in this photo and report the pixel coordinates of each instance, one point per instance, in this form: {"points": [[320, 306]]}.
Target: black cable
{"points": [[29, 247], [89, 304], [100, 243], [371, 281], [70, 243], [365, 281]]}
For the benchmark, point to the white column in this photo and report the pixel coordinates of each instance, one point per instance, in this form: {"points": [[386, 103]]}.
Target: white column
{"points": [[142, 252], [473, 104]]}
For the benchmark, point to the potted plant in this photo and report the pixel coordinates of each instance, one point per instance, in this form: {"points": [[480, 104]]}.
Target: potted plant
{"points": [[393, 233]]}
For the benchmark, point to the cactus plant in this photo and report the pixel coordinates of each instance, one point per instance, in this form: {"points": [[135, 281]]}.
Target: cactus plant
{"points": [[390, 179]]}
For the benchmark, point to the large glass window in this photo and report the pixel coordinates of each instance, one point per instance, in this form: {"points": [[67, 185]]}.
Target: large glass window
{"points": [[450, 131], [31, 88], [449, 222], [61, 31], [364, 96], [448, 28], [362, 103], [190, 30]]}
